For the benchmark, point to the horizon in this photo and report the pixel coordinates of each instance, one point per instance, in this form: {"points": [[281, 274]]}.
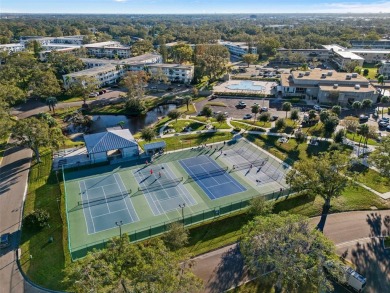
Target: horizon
{"points": [[192, 7]]}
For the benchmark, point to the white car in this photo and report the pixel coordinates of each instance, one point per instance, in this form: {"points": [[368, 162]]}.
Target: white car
{"points": [[317, 108], [247, 116]]}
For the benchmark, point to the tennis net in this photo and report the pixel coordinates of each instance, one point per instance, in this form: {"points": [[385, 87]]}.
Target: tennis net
{"points": [[203, 175], [104, 199], [161, 183], [256, 163]]}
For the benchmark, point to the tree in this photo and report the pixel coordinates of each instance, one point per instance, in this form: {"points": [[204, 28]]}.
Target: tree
{"points": [[286, 106], [34, 134], [294, 115], [264, 117], [312, 115], [366, 71], [366, 104], [384, 100], [206, 111], [336, 110], [123, 267], [280, 123], [187, 100], [322, 175], [174, 114], [141, 47], [258, 206], [333, 97], [364, 131], [339, 136], [351, 123], [350, 66], [250, 58], [380, 158], [51, 102], [330, 124], [300, 137], [44, 84], [211, 61], [182, 53], [82, 86], [135, 83], [324, 115], [220, 118], [381, 79], [147, 133], [64, 63], [255, 110], [37, 220], [287, 247], [356, 105], [176, 237]]}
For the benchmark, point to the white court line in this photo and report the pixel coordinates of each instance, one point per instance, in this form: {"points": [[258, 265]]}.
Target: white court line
{"points": [[231, 179], [89, 208], [106, 200], [185, 191], [189, 171], [136, 175], [124, 199], [85, 217], [219, 184], [91, 189], [101, 215]]}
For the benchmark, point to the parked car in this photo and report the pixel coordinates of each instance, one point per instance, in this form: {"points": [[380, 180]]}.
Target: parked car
{"points": [[274, 118], [264, 109], [101, 92], [363, 118], [92, 95], [5, 240], [247, 116], [383, 124], [241, 105], [169, 89], [317, 108], [388, 127]]}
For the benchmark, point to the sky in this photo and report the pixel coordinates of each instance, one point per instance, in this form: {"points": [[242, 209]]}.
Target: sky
{"points": [[192, 6]]}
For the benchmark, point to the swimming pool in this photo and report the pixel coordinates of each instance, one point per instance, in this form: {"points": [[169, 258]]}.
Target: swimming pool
{"points": [[246, 85]]}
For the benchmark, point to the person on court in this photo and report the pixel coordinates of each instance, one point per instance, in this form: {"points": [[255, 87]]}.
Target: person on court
{"points": [[151, 171]]}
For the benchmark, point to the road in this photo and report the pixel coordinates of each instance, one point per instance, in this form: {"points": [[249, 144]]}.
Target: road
{"points": [[351, 232]]}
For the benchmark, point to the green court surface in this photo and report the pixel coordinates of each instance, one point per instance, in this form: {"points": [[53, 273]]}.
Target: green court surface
{"points": [[198, 183]]}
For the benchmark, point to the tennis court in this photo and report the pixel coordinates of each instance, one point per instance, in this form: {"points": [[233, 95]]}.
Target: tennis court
{"points": [[212, 178], [255, 165], [164, 191], [105, 200]]}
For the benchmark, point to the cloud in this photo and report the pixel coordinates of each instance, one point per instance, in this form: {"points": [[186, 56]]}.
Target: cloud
{"points": [[120, 1]]}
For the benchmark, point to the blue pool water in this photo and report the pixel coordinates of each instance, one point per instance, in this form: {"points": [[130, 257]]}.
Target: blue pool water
{"points": [[246, 85]]}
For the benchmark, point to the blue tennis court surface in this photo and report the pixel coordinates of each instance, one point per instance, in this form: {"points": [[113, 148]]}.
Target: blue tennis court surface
{"points": [[163, 191], [213, 179], [105, 201]]}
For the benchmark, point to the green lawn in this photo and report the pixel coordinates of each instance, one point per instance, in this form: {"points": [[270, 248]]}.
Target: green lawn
{"points": [[246, 127], [290, 126], [372, 70], [48, 259], [358, 138], [217, 104], [179, 125], [256, 123], [290, 151], [186, 141], [222, 125], [372, 179], [316, 130]]}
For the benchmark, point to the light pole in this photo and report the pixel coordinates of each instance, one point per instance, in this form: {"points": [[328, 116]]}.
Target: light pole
{"points": [[182, 206], [119, 224]]}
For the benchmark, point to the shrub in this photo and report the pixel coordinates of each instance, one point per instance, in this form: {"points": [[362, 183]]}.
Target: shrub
{"points": [[294, 115], [237, 129], [339, 136], [280, 123], [37, 219]]}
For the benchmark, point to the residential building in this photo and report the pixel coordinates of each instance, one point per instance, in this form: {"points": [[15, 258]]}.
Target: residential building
{"points": [[385, 68], [110, 49], [105, 75], [238, 48], [43, 55], [149, 58], [12, 48], [70, 40], [342, 57], [308, 54], [174, 72], [327, 86], [371, 55], [370, 44]]}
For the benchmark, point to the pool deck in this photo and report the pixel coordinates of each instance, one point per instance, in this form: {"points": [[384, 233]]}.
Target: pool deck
{"points": [[268, 85]]}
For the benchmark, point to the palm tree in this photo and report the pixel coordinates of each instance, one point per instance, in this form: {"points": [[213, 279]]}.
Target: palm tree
{"points": [[381, 79], [384, 100], [286, 106], [366, 103], [187, 100], [255, 110], [51, 102], [364, 132], [356, 105]]}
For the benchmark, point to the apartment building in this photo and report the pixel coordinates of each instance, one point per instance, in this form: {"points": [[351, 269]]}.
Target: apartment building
{"points": [[327, 86], [371, 55], [43, 55], [385, 68], [12, 48], [149, 58], [383, 44], [174, 72], [308, 54], [342, 57], [105, 75], [238, 48], [110, 49], [70, 40]]}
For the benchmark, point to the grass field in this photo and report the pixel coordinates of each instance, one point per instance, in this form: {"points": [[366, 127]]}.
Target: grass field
{"points": [[358, 138], [48, 259], [256, 123], [216, 104], [246, 127], [179, 125], [372, 179]]}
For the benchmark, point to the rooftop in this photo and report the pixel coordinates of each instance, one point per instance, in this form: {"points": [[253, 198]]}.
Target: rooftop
{"points": [[93, 71], [351, 88], [110, 140], [173, 66], [374, 51]]}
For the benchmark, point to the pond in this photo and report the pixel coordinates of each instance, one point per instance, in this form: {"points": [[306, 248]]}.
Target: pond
{"points": [[134, 124]]}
